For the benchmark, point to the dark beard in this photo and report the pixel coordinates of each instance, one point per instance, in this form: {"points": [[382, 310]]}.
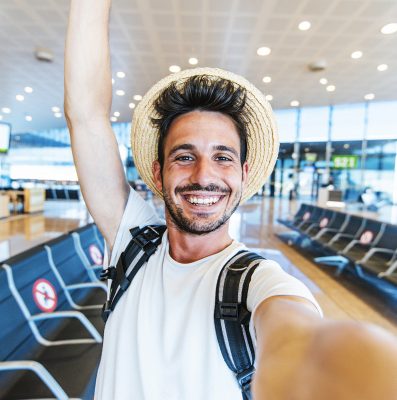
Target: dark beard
{"points": [[192, 227]]}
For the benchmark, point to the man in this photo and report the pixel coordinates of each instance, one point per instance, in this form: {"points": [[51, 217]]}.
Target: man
{"points": [[204, 140]]}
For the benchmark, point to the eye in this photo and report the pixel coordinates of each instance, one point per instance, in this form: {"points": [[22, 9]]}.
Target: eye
{"points": [[184, 158], [223, 158]]}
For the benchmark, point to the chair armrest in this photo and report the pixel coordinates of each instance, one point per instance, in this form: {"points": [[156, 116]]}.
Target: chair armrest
{"points": [[373, 251], [87, 285], [40, 371], [341, 235], [69, 314]]}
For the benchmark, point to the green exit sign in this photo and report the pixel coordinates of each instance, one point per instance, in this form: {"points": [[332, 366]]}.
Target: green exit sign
{"points": [[345, 162]]}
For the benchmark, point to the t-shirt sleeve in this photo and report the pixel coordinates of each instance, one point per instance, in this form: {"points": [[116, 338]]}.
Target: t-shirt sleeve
{"points": [[269, 280], [137, 212]]}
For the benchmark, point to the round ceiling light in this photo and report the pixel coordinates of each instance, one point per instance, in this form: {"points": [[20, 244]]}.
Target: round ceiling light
{"points": [[356, 54], [263, 51], [174, 68], [389, 28], [304, 26]]}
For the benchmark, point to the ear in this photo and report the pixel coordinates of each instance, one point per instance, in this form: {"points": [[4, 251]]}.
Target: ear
{"points": [[245, 174], [156, 170]]}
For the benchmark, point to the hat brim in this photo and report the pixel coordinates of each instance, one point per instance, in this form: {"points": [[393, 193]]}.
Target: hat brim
{"points": [[262, 139]]}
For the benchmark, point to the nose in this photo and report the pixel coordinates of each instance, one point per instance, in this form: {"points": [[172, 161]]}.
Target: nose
{"points": [[203, 172]]}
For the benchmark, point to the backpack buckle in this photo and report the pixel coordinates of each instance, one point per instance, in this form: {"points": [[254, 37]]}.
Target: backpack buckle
{"points": [[108, 273], [234, 312]]}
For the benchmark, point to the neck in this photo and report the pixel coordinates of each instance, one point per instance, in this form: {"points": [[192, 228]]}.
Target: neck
{"points": [[187, 248]]}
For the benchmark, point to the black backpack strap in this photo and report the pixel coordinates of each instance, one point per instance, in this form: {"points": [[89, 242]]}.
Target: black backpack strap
{"points": [[232, 317], [143, 244]]}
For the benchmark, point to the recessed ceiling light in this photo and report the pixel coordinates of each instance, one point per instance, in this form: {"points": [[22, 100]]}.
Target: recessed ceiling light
{"points": [[369, 96], [116, 114], [58, 115], [193, 61], [113, 119], [20, 97], [174, 68], [263, 51], [28, 89], [267, 79], [28, 118], [55, 109], [330, 88], [137, 97], [113, 81], [382, 67], [269, 97], [304, 25], [389, 28], [323, 81], [120, 74], [120, 92], [356, 54], [6, 110], [294, 103], [131, 105]]}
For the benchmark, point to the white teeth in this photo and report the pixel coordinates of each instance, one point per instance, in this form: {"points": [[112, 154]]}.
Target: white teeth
{"points": [[203, 201]]}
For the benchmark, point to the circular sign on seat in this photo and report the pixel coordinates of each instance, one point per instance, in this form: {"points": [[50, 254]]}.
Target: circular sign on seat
{"points": [[45, 295], [366, 237], [306, 216], [95, 254], [324, 222]]}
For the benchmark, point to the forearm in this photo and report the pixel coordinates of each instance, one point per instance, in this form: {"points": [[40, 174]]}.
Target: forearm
{"points": [[88, 88], [326, 360]]}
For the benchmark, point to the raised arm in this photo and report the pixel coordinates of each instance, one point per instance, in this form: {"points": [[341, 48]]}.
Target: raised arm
{"points": [[303, 357], [88, 99]]}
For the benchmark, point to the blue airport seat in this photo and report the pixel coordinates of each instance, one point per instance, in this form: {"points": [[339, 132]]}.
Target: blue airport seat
{"points": [[72, 274], [90, 246], [30, 366]]}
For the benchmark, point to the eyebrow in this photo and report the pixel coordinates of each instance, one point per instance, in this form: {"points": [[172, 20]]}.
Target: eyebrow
{"points": [[188, 146]]}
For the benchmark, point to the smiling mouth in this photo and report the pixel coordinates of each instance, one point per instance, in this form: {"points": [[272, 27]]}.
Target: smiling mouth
{"points": [[203, 200]]}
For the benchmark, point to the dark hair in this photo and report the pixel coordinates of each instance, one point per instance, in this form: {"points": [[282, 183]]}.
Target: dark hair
{"points": [[202, 93]]}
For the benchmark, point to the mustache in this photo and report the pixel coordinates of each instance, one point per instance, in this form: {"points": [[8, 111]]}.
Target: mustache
{"points": [[197, 187]]}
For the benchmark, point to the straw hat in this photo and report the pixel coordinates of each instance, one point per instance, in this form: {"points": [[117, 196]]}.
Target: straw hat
{"points": [[262, 140]]}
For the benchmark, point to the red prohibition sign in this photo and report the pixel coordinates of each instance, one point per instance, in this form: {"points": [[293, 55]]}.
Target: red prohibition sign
{"points": [[45, 295], [95, 255], [366, 237], [306, 216]]}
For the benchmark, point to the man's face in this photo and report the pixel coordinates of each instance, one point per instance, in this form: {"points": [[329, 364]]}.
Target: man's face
{"points": [[202, 178]]}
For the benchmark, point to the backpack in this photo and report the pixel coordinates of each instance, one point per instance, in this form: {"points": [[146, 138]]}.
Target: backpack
{"points": [[231, 316]]}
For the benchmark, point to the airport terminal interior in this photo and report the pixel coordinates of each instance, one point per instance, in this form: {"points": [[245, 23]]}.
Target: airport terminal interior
{"points": [[327, 214]]}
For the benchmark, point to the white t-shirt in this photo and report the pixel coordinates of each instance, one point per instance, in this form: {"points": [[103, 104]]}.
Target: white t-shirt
{"points": [[160, 341]]}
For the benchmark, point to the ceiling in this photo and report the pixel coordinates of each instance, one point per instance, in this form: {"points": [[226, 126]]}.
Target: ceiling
{"points": [[147, 36]]}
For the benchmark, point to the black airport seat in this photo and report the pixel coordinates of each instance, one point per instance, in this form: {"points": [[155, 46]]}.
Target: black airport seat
{"points": [[41, 355], [349, 232], [326, 218], [73, 194], [60, 194], [297, 217], [49, 194], [379, 258], [337, 225], [311, 218], [370, 236]]}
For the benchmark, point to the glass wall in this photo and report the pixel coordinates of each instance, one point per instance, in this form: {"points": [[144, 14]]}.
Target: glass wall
{"points": [[352, 146]]}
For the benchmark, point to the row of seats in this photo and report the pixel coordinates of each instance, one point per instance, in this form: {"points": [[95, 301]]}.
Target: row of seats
{"points": [[62, 194], [367, 245], [50, 325]]}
